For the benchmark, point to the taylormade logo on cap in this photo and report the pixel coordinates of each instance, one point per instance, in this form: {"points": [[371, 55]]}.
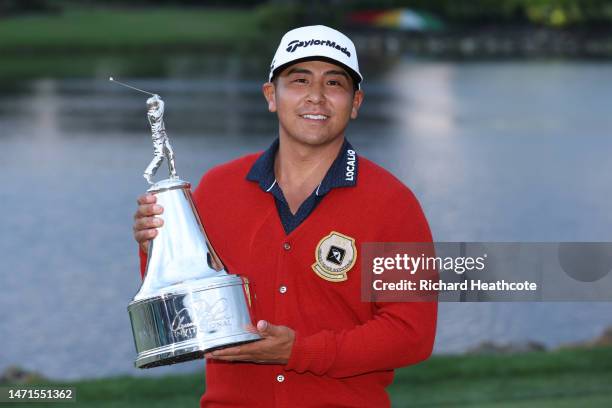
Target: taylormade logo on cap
{"points": [[316, 41], [293, 45]]}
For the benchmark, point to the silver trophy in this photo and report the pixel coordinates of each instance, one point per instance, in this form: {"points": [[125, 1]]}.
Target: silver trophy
{"points": [[187, 304]]}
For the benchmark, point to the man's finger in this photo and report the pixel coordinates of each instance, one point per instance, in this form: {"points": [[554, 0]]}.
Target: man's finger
{"points": [[268, 329], [145, 235], [243, 349], [230, 351], [235, 358], [262, 325], [145, 223], [146, 199], [225, 355], [234, 355], [147, 210]]}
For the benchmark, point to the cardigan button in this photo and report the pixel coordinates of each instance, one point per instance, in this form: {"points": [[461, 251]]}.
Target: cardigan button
{"points": [[280, 378], [287, 246], [282, 289]]}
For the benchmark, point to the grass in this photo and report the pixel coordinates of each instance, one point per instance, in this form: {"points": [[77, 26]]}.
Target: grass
{"points": [[129, 29], [570, 377], [134, 41], [566, 378], [123, 392]]}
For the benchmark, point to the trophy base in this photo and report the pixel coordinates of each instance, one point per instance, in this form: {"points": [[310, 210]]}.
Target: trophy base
{"points": [[192, 318], [169, 355]]}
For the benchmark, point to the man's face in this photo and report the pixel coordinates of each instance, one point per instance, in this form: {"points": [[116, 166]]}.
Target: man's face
{"points": [[314, 101]]}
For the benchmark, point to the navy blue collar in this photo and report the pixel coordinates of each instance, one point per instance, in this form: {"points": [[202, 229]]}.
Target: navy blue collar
{"points": [[342, 172]]}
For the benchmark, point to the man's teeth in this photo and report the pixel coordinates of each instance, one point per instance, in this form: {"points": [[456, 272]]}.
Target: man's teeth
{"points": [[315, 117]]}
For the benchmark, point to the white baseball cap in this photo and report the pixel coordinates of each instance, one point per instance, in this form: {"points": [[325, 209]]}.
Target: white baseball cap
{"points": [[316, 42]]}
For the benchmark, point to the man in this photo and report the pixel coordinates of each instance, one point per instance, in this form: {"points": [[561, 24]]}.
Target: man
{"points": [[292, 221]]}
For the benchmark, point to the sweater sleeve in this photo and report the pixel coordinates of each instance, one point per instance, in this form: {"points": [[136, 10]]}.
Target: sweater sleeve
{"points": [[398, 334]]}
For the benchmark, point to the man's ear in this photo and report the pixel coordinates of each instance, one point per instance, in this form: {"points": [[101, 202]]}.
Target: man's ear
{"points": [[269, 92], [357, 99]]}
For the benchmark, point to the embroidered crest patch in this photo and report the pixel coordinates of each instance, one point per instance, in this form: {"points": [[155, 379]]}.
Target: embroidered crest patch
{"points": [[335, 255]]}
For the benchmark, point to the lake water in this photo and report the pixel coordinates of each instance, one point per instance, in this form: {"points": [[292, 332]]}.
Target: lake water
{"points": [[494, 152]]}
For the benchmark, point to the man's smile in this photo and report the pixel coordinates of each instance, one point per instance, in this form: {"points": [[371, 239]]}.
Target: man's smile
{"points": [[313, 116]]}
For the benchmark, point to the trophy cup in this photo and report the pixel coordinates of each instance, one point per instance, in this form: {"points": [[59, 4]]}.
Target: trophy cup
{"points": [[187, 304]]}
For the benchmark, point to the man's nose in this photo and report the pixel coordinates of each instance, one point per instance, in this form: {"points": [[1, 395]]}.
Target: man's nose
{"points": [[316, 93]]}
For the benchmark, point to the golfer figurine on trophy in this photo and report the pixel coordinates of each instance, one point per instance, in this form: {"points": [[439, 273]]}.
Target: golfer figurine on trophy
{"points": [[187, 304], [161, 144]]}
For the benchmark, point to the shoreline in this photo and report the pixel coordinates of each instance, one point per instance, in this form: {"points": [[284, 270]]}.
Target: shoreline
{"points": [[508, 42]]}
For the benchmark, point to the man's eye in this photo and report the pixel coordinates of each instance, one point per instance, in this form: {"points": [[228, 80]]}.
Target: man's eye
{"points": [[335, 82], [300, 80]]}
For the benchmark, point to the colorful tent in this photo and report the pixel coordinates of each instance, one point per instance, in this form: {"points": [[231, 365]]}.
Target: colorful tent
{"points": [[400, 19]]}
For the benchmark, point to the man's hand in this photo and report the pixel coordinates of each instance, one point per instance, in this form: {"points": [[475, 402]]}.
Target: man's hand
{"points": [[145, 220], [274, 348]]}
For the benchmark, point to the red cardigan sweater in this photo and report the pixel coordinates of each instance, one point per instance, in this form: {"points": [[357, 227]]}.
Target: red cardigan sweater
{"points": [[345, 349]]}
